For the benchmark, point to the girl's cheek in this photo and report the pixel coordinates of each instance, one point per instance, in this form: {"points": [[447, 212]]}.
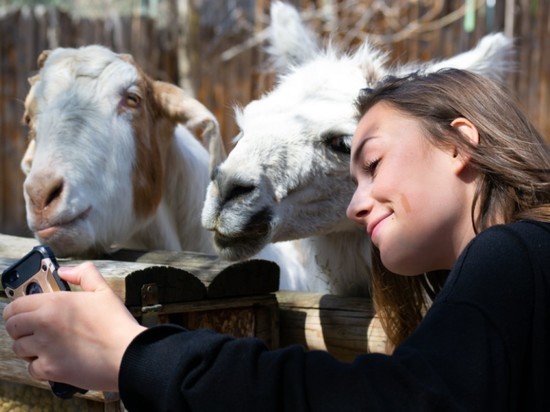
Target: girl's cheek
{"points": [[405, 203]]}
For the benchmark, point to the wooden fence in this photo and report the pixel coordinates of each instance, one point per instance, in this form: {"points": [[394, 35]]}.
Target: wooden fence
{"points": [[215, 49]]}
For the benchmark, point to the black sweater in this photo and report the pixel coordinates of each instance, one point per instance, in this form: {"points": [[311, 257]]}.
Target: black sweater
{"points": [[484, 345]]}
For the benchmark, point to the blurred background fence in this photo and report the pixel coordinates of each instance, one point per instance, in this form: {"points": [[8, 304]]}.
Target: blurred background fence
{"points": [[214, 49]]}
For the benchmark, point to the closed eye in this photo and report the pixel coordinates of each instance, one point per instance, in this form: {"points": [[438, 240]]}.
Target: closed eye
{"points": [[339, 143], [371, 166]]}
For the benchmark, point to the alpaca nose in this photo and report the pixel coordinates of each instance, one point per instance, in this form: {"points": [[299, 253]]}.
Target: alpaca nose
{"points": [[230, 187], [44, 191]]}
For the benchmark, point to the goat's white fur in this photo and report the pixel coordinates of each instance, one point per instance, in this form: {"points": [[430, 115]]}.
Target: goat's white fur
{"points": [[91, 145]]}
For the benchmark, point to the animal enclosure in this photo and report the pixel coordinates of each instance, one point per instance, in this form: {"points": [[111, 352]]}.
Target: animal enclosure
{"points": [[227, 66], [199, 291]]}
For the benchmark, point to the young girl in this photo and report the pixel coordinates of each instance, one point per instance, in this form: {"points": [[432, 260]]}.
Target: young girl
{"points": [[453, 188]]}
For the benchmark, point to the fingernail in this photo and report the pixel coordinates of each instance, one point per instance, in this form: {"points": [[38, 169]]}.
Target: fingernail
{"points": [[65, 269]]}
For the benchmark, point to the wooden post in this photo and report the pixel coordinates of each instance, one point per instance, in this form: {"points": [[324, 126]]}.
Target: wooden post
{"points": [[343, 326]]}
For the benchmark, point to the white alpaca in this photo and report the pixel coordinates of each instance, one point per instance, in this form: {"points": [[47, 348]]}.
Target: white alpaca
{"points": [[107, 163], [287, 179]]}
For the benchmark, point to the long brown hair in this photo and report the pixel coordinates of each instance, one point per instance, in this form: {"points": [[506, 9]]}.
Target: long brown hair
{"points": [[512, 157]]}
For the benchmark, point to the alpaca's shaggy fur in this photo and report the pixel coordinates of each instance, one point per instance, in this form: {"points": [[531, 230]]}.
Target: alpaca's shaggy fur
{"points": [[287, 179]]}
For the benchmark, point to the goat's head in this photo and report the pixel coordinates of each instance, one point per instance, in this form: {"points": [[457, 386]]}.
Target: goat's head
{"points": [[288, 175], [99, 131]]}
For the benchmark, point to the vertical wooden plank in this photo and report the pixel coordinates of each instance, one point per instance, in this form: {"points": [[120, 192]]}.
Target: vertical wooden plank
{"points": [[533, 80], [449, 36], [68, 36], [14, 143], [544, 70], [6, 46], [522, 31]]}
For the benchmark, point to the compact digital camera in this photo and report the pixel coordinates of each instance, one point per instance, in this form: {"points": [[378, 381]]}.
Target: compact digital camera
{"points": [[36, 272]]}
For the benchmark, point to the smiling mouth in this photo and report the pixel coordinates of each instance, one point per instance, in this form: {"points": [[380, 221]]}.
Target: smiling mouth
{"points": [[51, 230], [372, 228]]}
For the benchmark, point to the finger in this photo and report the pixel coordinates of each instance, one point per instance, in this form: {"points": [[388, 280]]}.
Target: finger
{"points": [[25, 348], [85, 275], [23, 304], [19, 325], [47, 368], [36, 371]]}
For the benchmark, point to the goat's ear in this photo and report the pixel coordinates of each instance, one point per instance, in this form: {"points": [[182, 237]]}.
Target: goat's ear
{"points": [[42, 58], [127, 58], [33, 79], [291, 42], [26, 161], [179, 107]]}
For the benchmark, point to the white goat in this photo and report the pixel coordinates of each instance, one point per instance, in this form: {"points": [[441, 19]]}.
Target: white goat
{"points": [[287, 179], [107, 163]]}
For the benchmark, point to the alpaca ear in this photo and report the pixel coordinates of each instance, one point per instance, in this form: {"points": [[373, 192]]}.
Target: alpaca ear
{"points": [[494, 57], [291, 42], [372, 62], [468, 131]]}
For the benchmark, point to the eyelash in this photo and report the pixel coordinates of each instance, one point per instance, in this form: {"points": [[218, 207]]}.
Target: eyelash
{"points": [[370, 167]]}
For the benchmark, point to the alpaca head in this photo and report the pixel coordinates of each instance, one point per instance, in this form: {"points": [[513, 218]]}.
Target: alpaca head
{"points": [[288, 175]]}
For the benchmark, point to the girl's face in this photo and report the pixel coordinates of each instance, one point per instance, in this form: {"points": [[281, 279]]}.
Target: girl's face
{"points": [[413, 199]]}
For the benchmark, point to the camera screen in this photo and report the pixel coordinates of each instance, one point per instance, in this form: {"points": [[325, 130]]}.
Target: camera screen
{"points": [[22, 271]]}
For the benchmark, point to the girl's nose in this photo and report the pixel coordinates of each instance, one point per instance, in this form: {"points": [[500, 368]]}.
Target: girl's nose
{"points": [[359, 206]]}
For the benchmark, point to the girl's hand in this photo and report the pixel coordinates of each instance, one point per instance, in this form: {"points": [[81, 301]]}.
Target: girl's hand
{"points": [[73, 337]]}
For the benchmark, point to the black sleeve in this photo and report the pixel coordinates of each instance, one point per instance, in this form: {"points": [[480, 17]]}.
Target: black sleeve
{"points": [[168, 368], [458, 359]]}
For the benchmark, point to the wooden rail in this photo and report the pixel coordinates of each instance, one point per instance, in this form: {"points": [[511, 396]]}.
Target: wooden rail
{"points": [[199, 291]]}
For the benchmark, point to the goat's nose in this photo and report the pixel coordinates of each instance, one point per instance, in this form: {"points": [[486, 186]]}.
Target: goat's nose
{"points": [[44, 191], [231, 188]]}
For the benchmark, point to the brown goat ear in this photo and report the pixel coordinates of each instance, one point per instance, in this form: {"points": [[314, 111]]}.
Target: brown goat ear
{"points": [[32, 80], [178, 106], [42, 58]]}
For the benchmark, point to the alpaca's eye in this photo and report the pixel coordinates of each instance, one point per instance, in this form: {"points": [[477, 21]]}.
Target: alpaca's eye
{"points": [[132, 100], [339, 143]]}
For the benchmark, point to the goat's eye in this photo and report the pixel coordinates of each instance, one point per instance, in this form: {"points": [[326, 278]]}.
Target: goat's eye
{"points": [[339, 143], [132, 100]]}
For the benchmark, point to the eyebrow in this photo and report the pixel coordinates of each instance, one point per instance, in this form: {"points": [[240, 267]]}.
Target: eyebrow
{"points": [[359, 149]]}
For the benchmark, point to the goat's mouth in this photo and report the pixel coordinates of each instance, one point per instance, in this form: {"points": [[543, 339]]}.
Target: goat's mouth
{"points": [[48, 230]]}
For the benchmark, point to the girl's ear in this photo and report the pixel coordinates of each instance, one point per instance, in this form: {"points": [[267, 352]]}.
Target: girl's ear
{"points": [[468, 131]]}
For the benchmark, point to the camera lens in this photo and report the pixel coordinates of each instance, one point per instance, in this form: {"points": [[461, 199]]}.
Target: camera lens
{"points": [[33, 288], [13, 276]]}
